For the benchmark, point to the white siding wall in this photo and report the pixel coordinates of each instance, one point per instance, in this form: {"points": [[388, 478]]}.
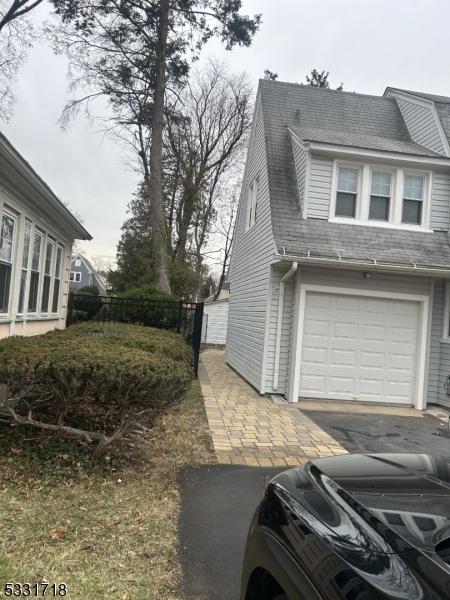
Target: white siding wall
{"points": [[286, 330], [421, 124], [439, 364], [319, 188], [215, 320], [440, 201], [300, 157], [250, 268]]}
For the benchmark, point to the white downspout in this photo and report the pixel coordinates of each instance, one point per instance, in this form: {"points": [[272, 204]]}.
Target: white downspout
{"points": [[283, 280]]}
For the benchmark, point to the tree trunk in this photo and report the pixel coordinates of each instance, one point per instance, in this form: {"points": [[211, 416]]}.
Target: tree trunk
{"points": [[161, 277]]}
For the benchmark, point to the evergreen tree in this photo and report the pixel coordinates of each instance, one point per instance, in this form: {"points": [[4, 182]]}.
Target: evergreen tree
{"points": [[320, 79]]}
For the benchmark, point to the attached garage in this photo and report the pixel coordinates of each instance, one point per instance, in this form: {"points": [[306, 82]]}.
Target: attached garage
{"points": [[361, 345]]}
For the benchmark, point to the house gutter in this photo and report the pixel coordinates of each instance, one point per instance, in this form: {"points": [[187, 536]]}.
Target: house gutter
{"points": [[362, 265], [283, 280]]}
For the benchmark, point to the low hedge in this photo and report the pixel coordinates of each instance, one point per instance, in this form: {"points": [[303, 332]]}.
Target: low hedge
{"points": [[99, 380]]}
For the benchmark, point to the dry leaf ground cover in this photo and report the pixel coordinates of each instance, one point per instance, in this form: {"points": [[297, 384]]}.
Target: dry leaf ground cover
{"points": [[107, 529]]}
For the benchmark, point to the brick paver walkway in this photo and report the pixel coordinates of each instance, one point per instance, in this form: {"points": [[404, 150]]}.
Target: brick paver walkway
{"points": [[249, 429]]}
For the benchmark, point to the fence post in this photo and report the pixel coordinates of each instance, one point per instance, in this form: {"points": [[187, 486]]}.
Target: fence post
{"points": [[180, 308], [69, 316], [197, 334]]}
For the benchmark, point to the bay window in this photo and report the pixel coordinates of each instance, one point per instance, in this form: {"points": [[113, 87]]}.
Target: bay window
{"points": [[347, 191], [7, 228]]}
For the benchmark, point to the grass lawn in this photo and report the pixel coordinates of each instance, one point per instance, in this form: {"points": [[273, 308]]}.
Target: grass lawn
{"points": [[106, 529]]}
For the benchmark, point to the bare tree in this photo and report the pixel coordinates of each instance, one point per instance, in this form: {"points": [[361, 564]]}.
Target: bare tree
{"points": [[225, 228]]}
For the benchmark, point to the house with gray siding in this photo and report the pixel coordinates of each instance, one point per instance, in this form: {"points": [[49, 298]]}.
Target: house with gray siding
{"points": [[83, 274], [340, 272]]}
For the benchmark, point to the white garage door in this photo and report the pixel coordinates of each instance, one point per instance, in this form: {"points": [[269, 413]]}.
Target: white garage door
{"points": [[359, 348]]}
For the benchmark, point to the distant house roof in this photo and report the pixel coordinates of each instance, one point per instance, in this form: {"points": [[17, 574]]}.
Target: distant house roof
{"points": [[22, 175], [345, 118], [101, 280]]}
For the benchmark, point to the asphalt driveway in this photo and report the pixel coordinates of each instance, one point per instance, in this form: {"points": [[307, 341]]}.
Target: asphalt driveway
{"points": [[383, 430]]}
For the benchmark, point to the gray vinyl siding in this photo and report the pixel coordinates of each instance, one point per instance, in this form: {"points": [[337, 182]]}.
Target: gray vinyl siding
{"points": [[300, 159], [439, 357], [250, 268], [440, 201], [421, 124], [286, 331], [319, 188]]}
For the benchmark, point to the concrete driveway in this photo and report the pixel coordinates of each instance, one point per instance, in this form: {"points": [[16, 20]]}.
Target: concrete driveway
{"points": [[363, 428]]}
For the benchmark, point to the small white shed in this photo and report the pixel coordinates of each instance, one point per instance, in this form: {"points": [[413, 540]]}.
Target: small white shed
{"points": [[215, 322]]}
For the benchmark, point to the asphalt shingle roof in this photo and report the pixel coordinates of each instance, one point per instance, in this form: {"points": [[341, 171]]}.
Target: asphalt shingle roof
{"points": [[360, 140], [322, 239], [348, 118]]}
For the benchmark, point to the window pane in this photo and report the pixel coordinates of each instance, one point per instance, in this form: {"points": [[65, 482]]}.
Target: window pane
{"points": [[26, 244], [6, 238], [36, 252], [381, 183], [345, 205], [414, 187], [23, 284], [348, 180], [72, 276], [48, 258], [45, 294], [55, 302], [33, 293], [379, 208], [412, 212], [58, 262], [5, 280]]}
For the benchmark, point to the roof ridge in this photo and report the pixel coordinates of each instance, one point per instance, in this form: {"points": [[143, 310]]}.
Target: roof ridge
{"points": [[321, 89]]}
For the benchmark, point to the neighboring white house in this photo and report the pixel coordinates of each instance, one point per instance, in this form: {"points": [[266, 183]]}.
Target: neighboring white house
{"points": [[215, 322], [340, 270], [36, 236], [82, 274]]}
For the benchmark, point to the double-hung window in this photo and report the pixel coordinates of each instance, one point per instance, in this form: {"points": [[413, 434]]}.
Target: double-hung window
{"points": [[35, 271], [25, 263], [57, 284], [347, 192], [380, 196], [252, 203], [413, 190], [47, 276], [7, 230]]}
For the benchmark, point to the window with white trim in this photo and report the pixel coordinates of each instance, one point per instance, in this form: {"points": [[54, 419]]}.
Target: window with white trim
{"points": [[252, 203], [35, 271], [347, 192], [412, 209], [75, 276], [47, 276], [57, 276], [7, 233], [78, 262], [380, 196], [25, 265]]}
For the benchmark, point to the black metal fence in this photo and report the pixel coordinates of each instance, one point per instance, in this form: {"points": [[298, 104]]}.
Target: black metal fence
{"points": [[182, 317]]}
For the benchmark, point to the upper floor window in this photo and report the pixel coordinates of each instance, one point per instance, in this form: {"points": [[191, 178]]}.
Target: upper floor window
{"points": [[384, 196], [78, 262], [380, 196], [347, 192], [75, 276], [252, 203], [413, 199]]}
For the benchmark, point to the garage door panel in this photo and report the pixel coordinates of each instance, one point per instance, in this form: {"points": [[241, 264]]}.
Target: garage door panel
{"points": [[360, 348]]}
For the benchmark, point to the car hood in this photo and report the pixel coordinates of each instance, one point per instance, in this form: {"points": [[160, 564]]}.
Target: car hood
{"points": [[388, 503]]}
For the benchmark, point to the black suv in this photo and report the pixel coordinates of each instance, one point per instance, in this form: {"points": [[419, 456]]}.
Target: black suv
{"points": [[354, 527]]}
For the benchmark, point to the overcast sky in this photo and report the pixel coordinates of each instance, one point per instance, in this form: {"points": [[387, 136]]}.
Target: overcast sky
{"points": [[366, 44]]}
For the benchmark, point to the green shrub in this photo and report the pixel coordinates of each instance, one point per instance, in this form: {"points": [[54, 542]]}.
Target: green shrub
{"points": [[147, 292], [101, 382], [90, 290]]}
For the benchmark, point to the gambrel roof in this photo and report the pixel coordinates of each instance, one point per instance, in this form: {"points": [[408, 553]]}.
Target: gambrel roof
{"points": [[340, 119]]}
